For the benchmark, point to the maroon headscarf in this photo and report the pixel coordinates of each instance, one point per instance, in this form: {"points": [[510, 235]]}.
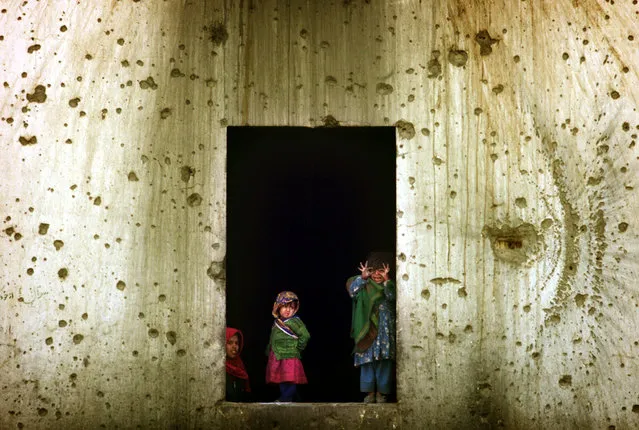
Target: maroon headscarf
{"points": [[235, 366]]}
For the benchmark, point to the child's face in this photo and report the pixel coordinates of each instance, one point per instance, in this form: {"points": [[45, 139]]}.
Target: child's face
{"points": [[287, 310], [378, 275], [232, 346]]}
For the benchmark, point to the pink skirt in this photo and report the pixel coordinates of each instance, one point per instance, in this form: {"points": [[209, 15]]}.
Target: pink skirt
{"points": [[284, 370]]}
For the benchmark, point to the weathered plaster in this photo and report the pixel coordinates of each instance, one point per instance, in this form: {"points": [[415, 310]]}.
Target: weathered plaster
{"points": [[113, 134]]}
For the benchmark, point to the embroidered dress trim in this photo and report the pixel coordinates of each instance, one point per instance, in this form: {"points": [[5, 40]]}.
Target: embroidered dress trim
{"points": [[280, 324]]}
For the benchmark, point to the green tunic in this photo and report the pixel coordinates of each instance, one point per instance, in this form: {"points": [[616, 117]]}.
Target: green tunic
{"points": [[285, 346]]}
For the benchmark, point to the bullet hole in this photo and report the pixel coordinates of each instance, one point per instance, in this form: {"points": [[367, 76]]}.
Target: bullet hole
{"points": [[330, 80], [384, 89], [68, 141], [49, 341], [162, 298], [89, 57], [17, 236], [58, 244], [132, 177], [478, 111], [43, 228], [171, 337], [120, 285], [485, 42], [120, 41], [194, 200], [462, 292], [39, 95], [33, 48], [85, 316], [181, 353], [516, 58], [514, 245], [580, 300], [63, 28], [134, 353], [141, 315], [330, 121], [139, 63], [24, 141], [42, 412], [216, 269], [547, 223], [125, 63], [405, 129], [553, 319], [97, 201], [165, 113], [434, 67], [153, 333], [615, 95], [186, 172], [594, 181], [498, 89], [623, 226], [148, 83], [565, 381], [442, 281], [457, 57], [63, 273], [521, 202], [29, 271], [77, 339], [9, 231], [635, 409], [437, 161], [425, 132], [176, 73], [219, 35], [565, 56], [62, 323], [468, 329]]}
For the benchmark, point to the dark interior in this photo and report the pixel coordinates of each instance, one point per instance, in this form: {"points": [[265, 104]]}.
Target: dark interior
{"points": [[305, 206]]}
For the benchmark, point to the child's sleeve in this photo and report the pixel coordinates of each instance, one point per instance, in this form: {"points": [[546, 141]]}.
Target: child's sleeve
{"points": [[355, 284], [303, 335]]}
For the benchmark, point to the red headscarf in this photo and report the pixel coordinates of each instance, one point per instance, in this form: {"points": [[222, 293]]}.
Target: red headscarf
{"points": [[235, 366]]}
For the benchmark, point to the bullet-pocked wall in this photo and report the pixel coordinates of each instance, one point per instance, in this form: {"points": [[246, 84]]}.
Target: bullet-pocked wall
{"points": [[517, 205]]}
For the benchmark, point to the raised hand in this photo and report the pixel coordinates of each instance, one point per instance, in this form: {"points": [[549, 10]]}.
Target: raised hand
{"points": [[385, 270], [366, 271]]}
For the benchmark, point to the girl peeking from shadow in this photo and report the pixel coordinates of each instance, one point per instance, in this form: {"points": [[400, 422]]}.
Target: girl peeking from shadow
{"points": [[237, 380]]}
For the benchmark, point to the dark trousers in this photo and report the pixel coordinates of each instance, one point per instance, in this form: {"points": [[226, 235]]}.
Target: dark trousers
{"points": [[288, 392]]}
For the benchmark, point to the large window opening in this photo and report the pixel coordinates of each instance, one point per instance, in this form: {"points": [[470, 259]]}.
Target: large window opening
{"points": [[304, 207]]}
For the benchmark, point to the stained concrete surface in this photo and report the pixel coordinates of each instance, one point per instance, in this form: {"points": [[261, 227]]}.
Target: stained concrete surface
{"points": [[532, 101]]}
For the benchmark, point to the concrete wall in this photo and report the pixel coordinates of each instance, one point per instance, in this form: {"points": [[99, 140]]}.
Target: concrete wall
{"points": [[517, 207]]}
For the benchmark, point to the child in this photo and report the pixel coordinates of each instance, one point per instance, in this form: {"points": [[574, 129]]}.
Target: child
{"points": [[373, 326], [237, 380], [289, 337]]}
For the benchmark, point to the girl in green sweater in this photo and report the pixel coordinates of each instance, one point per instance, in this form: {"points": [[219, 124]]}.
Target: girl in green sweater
{"points": [[289, 337]]}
